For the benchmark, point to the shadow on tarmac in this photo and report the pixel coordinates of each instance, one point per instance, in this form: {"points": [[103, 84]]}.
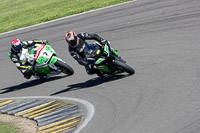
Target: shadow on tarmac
{"points": [[28, 84], [90, 83]]}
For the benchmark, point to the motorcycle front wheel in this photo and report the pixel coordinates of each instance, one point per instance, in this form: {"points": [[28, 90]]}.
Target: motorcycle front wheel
{"points": [[65, 68], [124, 66]]}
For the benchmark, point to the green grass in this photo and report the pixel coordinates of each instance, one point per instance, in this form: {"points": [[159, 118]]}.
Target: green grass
{"points": [[21, 13], [8, 128]]}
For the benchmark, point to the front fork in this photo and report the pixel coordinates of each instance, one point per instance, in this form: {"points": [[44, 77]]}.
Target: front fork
{"points": [[52, 63]]}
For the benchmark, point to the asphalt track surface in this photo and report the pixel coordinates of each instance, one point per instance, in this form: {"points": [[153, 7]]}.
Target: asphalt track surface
{"points": [[158, 38]]}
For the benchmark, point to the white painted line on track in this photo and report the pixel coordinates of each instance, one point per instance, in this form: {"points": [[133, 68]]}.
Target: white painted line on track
{"points": [[68, 17], [90, 108]]}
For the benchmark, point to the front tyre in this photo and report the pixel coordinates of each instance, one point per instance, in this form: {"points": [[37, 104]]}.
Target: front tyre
{"points": [[65, 68], [124, 67]]}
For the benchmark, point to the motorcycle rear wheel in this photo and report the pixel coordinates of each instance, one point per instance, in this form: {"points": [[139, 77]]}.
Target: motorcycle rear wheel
{"points": [[66, 69], [124, 66]]}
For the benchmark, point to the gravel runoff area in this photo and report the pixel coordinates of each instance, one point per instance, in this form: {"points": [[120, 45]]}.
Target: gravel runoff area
{"points": [[24, 125]]}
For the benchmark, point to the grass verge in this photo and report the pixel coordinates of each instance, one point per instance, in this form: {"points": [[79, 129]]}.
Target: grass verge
{"points": [[21, 13], [8, 128]]}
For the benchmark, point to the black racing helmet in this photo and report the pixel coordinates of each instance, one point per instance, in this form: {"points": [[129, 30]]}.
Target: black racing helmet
{"points": [[72, 39]]}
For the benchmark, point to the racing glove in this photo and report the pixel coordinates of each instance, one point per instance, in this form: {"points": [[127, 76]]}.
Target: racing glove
{"points": [[104, 42], [90, 66], [30, 68]]}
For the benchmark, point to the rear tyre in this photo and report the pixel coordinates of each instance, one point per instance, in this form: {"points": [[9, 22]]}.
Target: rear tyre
{"points": [[65, 68], [124, 66]]}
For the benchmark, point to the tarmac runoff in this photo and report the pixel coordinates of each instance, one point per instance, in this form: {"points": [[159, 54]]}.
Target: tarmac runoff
{"points": [[52, 114]]}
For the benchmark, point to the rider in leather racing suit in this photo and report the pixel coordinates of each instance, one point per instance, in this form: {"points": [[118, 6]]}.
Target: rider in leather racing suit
{"points": [[76, 47], [18, 53]]}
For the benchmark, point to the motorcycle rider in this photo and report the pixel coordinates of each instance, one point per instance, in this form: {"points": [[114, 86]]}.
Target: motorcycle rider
{"points": [[18, 53], [76, 47]]}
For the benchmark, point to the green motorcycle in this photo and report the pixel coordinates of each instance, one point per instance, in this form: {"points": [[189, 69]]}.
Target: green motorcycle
{"points": [[46, 63], [106, 59]]}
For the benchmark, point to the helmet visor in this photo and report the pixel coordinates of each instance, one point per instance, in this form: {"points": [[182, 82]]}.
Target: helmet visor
{"points": [[17, 48]]}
